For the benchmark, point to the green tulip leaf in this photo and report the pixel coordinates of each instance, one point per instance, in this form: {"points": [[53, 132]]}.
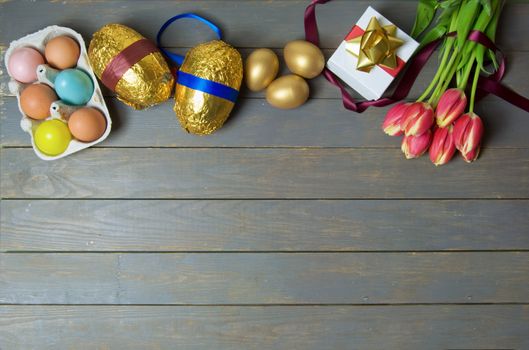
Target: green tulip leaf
{"points": [[487, 6], [465, 20], [435, 33], [425, 14], [481, 24], [445, 4], [491, 34], [494, 60], [492, 25], [448, 7]]}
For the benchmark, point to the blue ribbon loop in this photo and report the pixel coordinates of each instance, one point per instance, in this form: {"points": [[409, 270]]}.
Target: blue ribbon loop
{"points": [[207, 86], [179, 59], [189, 80]]}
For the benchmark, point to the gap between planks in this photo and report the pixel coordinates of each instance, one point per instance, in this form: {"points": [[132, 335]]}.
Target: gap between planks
{"points": [[286, 252], [448, 199], [272, 305]]}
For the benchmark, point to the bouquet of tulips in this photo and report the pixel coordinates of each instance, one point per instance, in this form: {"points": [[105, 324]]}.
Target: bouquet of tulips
{"points": [[441, 120]]}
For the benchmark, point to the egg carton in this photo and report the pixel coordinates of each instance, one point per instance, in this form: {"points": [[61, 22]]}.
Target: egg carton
{"points": [[46, 74]]}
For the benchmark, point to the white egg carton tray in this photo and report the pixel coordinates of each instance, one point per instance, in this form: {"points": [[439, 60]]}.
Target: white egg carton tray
{"points": [[46, 74]]}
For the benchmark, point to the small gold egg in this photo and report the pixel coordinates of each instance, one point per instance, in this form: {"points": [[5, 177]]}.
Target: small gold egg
{"points": [[304, 58], [260, 69], [287, 92]]}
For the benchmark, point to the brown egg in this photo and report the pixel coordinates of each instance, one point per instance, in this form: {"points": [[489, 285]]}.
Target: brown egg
{"points": [[304, 58], [87, 124], [287, 92], [35, 101], [62, 52]]}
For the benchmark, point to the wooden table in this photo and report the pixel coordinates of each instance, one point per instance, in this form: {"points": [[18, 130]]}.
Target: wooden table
{"points": [[302, 229]]}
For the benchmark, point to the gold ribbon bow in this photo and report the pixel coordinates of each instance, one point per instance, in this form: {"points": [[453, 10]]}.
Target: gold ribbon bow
{"points": [[376, 46]]}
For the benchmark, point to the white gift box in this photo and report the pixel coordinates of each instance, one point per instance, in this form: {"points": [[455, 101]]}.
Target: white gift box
{"points": [[58, 109], [371, 85]]}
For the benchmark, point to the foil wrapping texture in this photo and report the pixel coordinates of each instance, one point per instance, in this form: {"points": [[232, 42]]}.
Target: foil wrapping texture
{"points": [[146, 83], [199, 112]]}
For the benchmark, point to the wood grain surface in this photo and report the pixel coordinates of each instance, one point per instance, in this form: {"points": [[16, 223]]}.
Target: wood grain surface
{"points": [[271, 327], [271, 278], [301, 229], [261, 173], [263, 225]]}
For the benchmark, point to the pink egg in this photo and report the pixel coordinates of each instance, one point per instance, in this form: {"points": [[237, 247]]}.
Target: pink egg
{"points": [[23, 64]]}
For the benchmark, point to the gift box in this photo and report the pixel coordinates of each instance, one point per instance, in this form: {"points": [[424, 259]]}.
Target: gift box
{"points": [[372, 55]]}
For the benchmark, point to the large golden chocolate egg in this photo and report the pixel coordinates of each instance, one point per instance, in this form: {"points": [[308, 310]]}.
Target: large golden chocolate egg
{"points": [[130, 65], [200, 112], [287, 92], [260, 69], [304, 58]]}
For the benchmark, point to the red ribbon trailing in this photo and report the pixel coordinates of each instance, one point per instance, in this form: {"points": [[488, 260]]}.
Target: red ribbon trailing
{"points": [[491, 84], [131, 55]]}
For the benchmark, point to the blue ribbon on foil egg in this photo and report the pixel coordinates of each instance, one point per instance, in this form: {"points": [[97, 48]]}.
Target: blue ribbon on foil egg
{"points": [[192, 81]]}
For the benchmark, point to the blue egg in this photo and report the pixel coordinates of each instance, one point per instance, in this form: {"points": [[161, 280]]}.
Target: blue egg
{"points": [[74, 87]]}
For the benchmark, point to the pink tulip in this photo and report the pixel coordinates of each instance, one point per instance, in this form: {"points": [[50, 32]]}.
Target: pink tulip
{"points": [[415, 146], [451, 105], [392, 124], [468, 132], [443, 147], [418, 118]]}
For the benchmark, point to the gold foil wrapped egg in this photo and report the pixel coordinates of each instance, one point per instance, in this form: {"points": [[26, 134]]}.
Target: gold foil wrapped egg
{"points": [[304, 58], [213, 63], [130, 65]]}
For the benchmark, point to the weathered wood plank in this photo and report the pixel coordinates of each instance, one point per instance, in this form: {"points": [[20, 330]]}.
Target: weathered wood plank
{"points": [[260, 173], [307, 327], [253, 29], [248, 225], [264, 278], [321, 123]]}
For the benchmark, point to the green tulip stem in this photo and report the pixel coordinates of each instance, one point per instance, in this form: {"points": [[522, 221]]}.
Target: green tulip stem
{"points": [[468, 69], [446, 78], [442, 66], [474, 88], [439, 72]]}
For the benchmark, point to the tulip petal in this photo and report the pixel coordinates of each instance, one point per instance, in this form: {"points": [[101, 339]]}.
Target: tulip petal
{"points": [[451, 105], [468, 131], [416, 146], [392, 124], [443, 147], [418, 118]]}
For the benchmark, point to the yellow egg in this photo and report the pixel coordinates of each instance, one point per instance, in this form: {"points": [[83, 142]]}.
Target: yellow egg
{"points": [[289, 91], [260, 69], [304, 58], [52, 137]]}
